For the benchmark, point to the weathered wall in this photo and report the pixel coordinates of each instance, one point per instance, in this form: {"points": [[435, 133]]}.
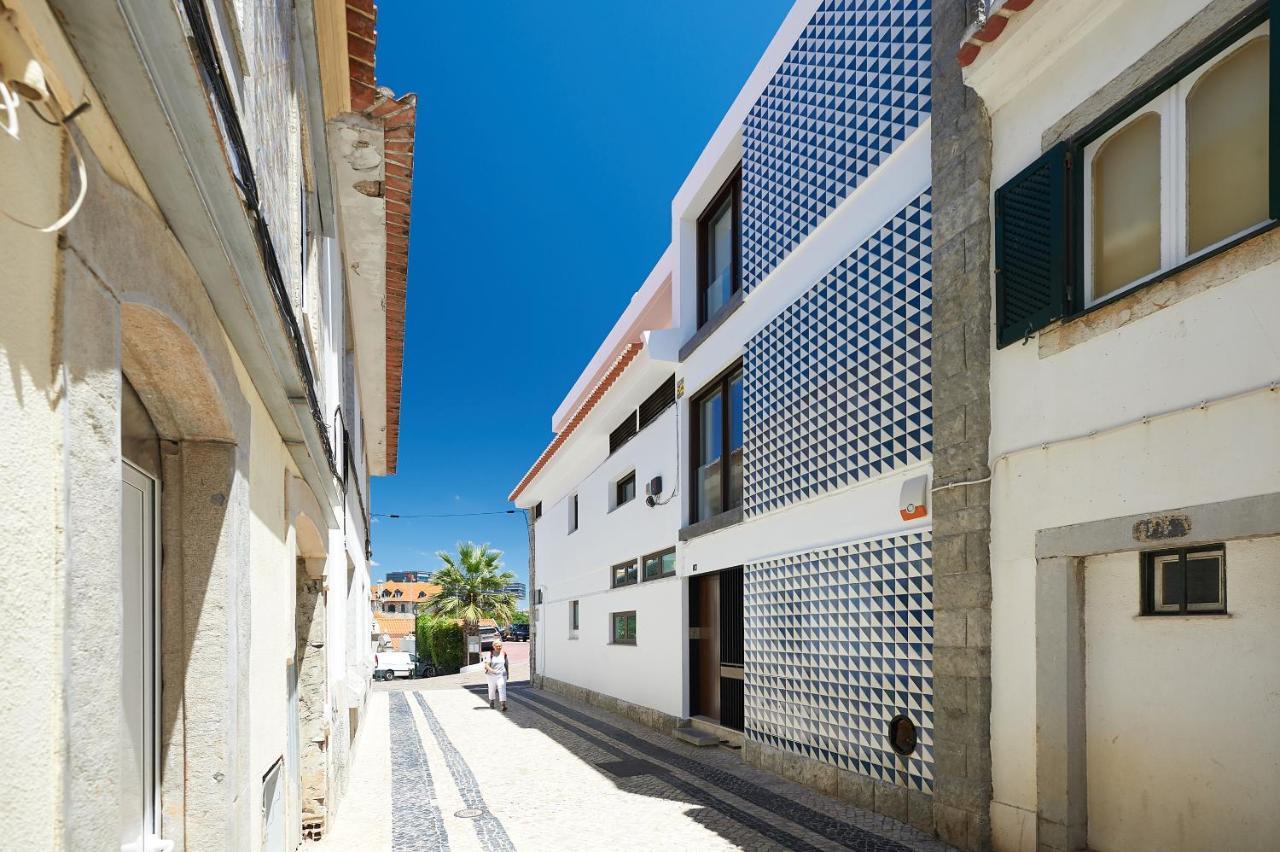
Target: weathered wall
{"points": [[1165, 701], [31, 171], [1084, 389], [961, 138]]}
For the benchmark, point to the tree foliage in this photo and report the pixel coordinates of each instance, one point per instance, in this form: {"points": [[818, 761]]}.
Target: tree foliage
{"points": [[471, 587], [521, 617]]}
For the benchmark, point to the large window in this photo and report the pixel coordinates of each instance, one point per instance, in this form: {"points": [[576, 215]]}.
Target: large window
{"points": [[658, 565], [1171, 176], [1185, 582], [1185, 173], [622, 628], [717, 446], [719, 264], [624, 574]]}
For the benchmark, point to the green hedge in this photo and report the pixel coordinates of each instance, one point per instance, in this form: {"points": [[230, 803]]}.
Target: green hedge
{"points": [[442, 641]]}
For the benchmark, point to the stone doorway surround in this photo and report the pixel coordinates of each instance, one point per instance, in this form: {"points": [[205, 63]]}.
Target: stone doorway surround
{"points": [[1061, 773]]}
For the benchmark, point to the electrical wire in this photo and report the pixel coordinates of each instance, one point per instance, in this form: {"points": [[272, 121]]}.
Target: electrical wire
{"points": [[10, 104], [447, 514]]}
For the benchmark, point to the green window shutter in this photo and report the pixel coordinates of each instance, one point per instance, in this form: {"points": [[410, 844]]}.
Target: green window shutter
{"points": [[1032, 248]]}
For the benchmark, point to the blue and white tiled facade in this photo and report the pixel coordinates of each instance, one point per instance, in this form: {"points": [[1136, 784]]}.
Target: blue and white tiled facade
{"points": [[838, 642], [853, 87], [837, 392], [837, 387]]}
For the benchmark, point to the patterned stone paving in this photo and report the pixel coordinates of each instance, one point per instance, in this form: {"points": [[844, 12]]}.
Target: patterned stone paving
{"points": [[555, 774], [416, 822]]}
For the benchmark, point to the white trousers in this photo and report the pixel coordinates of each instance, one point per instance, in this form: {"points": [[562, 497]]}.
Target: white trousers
{"points": [[498, 684]]}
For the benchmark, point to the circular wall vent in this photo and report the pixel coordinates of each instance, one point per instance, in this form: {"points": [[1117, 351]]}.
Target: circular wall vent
{"points": [[902, 734]]}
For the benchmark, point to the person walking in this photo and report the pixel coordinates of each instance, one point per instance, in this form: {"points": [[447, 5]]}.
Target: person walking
{"points": [[495, 670]]}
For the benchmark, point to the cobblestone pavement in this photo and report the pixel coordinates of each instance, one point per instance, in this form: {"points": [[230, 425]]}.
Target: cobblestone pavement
{"points": [[554, 774]]}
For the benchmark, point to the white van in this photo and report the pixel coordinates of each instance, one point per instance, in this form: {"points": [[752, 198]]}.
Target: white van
{"points": [[392, 664]]}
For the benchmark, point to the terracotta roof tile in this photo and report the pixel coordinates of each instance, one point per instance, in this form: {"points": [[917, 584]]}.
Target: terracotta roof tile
{"points": [[988, 30], [620, 364]]}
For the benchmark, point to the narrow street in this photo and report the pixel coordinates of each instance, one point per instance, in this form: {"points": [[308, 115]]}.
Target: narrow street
{"points": [[437, 769]]}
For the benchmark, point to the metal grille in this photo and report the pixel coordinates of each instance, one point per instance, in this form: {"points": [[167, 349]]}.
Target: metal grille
{"points": [[732, 700]]}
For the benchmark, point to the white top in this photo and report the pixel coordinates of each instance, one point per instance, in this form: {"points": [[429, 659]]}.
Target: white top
{"points": [[498, 664]]}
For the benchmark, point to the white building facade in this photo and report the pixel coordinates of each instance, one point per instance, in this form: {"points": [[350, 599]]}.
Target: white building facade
{"points": [[778, 590], [203, 336], [1133, 452]]}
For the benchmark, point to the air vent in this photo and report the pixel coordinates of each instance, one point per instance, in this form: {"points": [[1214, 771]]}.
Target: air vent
{"points": [[625, 432], [658, 401]]}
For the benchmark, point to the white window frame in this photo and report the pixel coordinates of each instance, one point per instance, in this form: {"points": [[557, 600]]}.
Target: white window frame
{"points": [[1171, 106], [1157, 581]]}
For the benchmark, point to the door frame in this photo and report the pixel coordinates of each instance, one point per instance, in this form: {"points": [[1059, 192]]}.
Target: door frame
{"points": [[149, 485]]}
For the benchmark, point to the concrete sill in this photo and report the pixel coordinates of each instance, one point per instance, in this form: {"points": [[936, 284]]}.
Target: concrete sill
{"points": [[709, 327], [711, 524], [1208, 616]]}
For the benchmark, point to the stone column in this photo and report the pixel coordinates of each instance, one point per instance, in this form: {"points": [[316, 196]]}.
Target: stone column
{"points": [[961, 151], [312, 687]]}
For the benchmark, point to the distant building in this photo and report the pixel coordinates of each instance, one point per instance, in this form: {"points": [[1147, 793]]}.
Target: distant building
{"points": [[408, 576], [520, 590]]}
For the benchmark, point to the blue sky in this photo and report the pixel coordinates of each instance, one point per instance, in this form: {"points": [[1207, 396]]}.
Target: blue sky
{"points": [[551, 138]]}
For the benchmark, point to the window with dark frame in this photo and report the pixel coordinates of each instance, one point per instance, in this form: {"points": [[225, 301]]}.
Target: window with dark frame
{"points": [[659, 565], [537, 510], [1183, 169], [622, 628], [1187, 581], [625, 431], [719, 249], [624, 574], [716, 466], [573, 615], [573, 513], [624, 490]]}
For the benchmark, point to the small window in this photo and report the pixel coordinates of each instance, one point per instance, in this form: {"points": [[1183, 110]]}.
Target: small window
{"points": [[719, 261], [537, 510], [623, 628], [624, 490], [662, 564], [573, 615], [537, 597], [573, 513], [1185, 582], [624, 574]]}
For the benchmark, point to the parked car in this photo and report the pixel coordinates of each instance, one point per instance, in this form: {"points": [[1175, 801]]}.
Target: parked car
{"points": [[516, 633], [487, 635], [423, 668], [388, 665]]}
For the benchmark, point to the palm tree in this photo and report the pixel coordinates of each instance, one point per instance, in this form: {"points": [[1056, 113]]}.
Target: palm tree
{"points": [[471, 587]]}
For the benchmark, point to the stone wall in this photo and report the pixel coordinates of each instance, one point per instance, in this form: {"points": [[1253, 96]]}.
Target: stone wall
{"points": [[646, 716], [961, 146]]}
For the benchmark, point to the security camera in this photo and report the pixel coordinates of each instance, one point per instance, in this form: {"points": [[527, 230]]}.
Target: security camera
{"points": [[650, 501]]}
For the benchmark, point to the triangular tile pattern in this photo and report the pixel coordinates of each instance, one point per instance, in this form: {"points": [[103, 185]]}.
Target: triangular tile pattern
{"points": [[838, 642], [855, 84], [838, 386]]}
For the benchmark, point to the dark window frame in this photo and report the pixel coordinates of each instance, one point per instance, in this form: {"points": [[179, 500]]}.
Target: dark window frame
{"points": [[1074, 299], [730, 190], [722, 384], [619, 487], [1147, 607], [575, 615], [623, 432], [663, 397], [628, 638], [662, 575], [633, 565], [573, 514], [537, 510]]}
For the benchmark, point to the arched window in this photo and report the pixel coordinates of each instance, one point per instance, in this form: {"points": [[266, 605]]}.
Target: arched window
{"points": [[1227, 146], [1126, 205]]}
